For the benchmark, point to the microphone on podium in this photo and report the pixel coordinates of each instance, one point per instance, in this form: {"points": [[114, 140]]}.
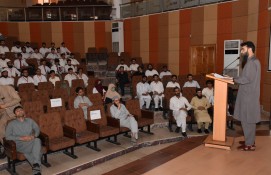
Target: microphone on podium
{"points": [[229, 65]]}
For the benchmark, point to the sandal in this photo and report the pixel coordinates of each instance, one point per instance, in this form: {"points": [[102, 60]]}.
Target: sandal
{"points": [[247, 148]]}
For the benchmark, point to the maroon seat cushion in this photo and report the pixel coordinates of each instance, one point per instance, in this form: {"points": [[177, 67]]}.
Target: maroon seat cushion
{"points": [[86, 136], [106, 131], [60, 143]]}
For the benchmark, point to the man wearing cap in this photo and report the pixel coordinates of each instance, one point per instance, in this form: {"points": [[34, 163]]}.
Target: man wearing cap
{"points": [[5, 80], [3, 60], [24, 132], [9, 99]]}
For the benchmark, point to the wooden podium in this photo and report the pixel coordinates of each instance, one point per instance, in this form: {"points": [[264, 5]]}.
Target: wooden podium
{"points": [[219, 139]]}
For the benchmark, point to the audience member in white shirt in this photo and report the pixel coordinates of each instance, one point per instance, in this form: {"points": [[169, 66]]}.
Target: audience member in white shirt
{"points": [[52, 46], [3, 47], [17, 47], [69, 65], [64, 49], [165, 72], [44, 69], [126, 68], [12, 71], [5, 80], [173, 83], [43, 50], [25, 78], [151, 71], [57, 68], [143, 90], [82, 76], [3, 60], [191, 82], [39, 77], [63, 60], [28, 48], [53, 78], [74, 61], [208, 91], [158, 89], [179, 105], [133, 66], [58, 52], [52, 56], [25, 55], [20, 63], [70, 76], [36, 55]]}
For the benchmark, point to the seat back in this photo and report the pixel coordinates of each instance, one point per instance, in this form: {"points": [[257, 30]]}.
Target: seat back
{"points": [[169, 92], [189, 93], [133, 107], [182, 79], [41, 95], [75, 119], [46, 86], [166, 79], [78, 83], [33, 107], [61, 93], [30, 87], [25, 96], [103, 120], [62, 84], [50, 124], [32, 62], [96, 99], [71, 102]]}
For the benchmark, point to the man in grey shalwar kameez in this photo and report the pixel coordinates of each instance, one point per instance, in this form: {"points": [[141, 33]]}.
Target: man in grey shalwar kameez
{"points": [[82, 101], [127, 120], [24, 132], [247, 106]]}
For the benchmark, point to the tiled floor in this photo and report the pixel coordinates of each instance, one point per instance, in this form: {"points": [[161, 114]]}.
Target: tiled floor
{"points": [[62, 164]]}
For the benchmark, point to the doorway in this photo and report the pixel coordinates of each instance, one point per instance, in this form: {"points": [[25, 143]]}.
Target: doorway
{"points": [[202, 59]]}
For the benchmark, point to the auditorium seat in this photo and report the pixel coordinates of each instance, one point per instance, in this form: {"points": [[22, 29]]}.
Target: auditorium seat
{"points": [[71, 102], [96, 99], [25, 96], [33, 109], [78, 83], [46, 86], [42, 96], [29, 87]]}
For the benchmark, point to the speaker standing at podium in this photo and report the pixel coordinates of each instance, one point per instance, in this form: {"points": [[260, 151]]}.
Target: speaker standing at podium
{"points": [[247, 106]]}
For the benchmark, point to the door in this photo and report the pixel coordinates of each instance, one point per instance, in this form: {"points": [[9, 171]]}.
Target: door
{"points": [[202, 59]]}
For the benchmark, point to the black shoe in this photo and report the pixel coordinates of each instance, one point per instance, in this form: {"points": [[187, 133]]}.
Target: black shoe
{"points": [[38, 174], [36, 165], [177, 130], [206, 131], [184, 134], [156, 109], [199, 131], [160, 109]]}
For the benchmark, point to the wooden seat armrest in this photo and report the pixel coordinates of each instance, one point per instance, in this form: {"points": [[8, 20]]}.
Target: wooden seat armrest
{"points": [[44, 140], [69, 132], [93, 127], [136, 117], [113, 122], [10, 149], [147, 114]]}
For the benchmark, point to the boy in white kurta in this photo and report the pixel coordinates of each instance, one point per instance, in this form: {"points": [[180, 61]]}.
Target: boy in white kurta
{"points": [[158, 89], [143, 90], [179, 106]]}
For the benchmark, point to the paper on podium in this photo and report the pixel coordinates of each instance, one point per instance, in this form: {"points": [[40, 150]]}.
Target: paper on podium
{"points": [[223, 77]]}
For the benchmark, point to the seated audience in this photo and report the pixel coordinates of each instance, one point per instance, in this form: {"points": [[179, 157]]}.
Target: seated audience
{"points": [[43, 50], [179, 106], [69, 65], [70, 76], [191, 82], [53, 78], [25, 55], [173, 83], [98, 88], [122, 79], [74, 61], [58, 52], [62, 60], [52, 55], [36, 55], [9, 99], [44, 69], [57, 67], [126, 68], [3, 47], [82, 76], [208, 91], [17, 47], [53, 46], [5, 80], [143, 90], [110, 93], [12, 71], [126, 119], [64, 49], [28, 48], [24, 132], [39, 77], [82, 101], [25, 78], [164, 72], [200, 105], [133, 66], [150, 71], [157, 89], [3, 60], [20, 63], [139, 72]]}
